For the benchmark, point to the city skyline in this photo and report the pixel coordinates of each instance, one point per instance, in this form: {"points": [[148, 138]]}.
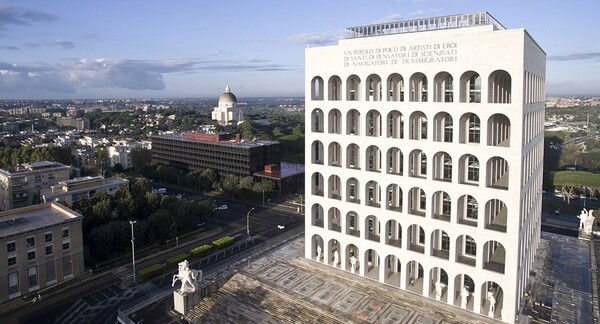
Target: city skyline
{"points": [[110, 49]]}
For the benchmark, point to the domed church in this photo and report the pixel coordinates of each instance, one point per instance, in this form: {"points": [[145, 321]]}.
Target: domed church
{"points": [[227, 111]]}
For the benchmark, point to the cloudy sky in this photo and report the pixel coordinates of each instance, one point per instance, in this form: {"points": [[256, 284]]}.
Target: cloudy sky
{"points": [[187, 48]]}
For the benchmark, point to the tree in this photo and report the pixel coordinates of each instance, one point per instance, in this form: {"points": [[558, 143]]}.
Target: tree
{"points": [[37, 197], [118, 168], [125, 205], [141, 157], [230, 184]]}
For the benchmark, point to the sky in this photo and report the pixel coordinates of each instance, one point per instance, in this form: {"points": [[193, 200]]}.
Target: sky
{"points": [[192, 49]]}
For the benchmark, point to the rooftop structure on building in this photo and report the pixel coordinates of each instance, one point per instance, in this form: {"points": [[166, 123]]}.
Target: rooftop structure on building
{"points": [[424, 157]]}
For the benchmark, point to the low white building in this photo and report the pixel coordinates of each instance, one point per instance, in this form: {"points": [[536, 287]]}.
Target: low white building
{"points": [[82, 188]]}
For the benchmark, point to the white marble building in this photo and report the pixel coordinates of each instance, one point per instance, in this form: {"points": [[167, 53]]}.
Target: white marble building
{"points": [[227, 110], [424, 143]]}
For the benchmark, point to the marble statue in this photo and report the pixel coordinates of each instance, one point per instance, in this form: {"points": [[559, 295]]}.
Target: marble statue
{"points": [[319, 251], [336, 258], [439, 287], [586, 221], [464, 294], [354, 263], [492, 299], [189, 278]]}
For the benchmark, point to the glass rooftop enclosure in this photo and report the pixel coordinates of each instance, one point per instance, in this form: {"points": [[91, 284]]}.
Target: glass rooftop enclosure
{"points": [[424, 24]]}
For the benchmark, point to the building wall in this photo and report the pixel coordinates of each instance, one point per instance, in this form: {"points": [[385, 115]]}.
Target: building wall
{"points": [[346, 113], [239, 159], [67, 262], [17, 188]]}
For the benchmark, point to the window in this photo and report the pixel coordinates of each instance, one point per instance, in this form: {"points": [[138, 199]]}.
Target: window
{"points": [[352, 191], [11, 247], [472, 207], [352, 221], [447, 167], [475, 88], [446, 205], [65, 233], [470, 246], [50, 271], [474, 129], [12, 261], [445, 242], [472, 169], [13, 283], [422, 200], [421, 236], [32, 272], [31, 241], [31, 255], [67, 266], [49, 249], [448, 128], [448, 89], [48, 237]]}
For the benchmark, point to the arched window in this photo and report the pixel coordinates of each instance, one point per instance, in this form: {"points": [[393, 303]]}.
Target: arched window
{"points": [[316, 88], [499, 87], [418, 88], [470, 87]]}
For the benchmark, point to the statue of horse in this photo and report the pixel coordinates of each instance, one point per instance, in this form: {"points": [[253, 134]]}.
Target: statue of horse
{"points": [[189, 278]]}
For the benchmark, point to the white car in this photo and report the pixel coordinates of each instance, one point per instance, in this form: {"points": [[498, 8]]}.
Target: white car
{"points": [[222, 207]]}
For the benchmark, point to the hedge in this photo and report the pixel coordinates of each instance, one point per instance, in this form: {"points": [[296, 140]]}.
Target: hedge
{"points": [[151, 271], [223, 242], [178, 258], [201, 250]]}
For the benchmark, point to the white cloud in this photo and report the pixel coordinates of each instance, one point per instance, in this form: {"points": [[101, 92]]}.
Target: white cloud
{"points": [[73, 74], [315, 38]]}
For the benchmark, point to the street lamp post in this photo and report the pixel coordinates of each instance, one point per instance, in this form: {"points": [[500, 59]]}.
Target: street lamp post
{"points": [[133, 248], [263, 197], [248, 221]]}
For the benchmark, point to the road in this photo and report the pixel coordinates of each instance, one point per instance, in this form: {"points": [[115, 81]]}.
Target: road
{"points": [[96, 299]]}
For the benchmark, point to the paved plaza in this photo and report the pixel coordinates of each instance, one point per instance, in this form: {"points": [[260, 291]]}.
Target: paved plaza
{"points": [[283, 287]]}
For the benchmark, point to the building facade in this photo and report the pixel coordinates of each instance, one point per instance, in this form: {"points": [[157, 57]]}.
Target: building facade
{"points": [[424, 144], [72, 190], [40, 245], [19, 185], [227, 110], [225, 154]]}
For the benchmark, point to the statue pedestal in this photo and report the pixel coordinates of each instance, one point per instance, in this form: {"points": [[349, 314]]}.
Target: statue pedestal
{"points": [[180, 302], [184, 302]]}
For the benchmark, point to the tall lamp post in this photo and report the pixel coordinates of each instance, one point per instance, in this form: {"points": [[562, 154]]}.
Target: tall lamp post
{"points": [[248, 221], [133, 248]]}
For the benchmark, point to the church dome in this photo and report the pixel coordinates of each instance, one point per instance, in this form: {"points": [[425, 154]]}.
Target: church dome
{"points": [[227, 97]]}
